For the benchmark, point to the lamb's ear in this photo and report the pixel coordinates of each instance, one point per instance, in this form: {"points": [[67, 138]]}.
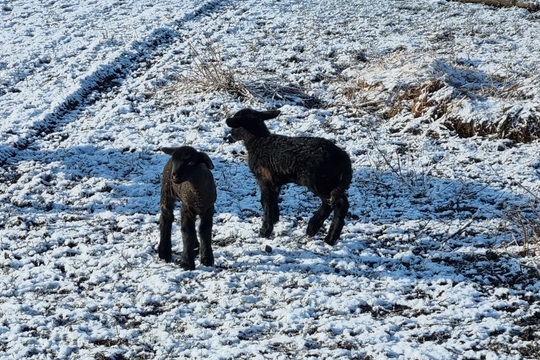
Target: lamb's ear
{"points": [[233, 122], [169, 150], [269, 114], [205, 159]]}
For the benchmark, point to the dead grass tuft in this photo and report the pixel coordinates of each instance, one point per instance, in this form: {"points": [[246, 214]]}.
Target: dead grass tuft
{"points": [[420, 97], [520, 126], [356, 89], [209, 73], [525, 222], [516, 125], [420, 100], [463, 127]]}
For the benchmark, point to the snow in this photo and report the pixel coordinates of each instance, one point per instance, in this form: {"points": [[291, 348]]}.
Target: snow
{"points": [[431, 262]]}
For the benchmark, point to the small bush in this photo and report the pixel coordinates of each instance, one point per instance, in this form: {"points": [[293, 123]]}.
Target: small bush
{"points": [[525, 222], [209, 73]]}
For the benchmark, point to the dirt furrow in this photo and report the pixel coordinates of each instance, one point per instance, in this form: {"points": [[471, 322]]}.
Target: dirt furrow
{"points": [[138, 58]]}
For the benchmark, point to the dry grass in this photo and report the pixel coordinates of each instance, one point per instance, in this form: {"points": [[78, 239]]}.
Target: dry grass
{"points": [[355, 89], [208, 73], [525, 221], [515, 124], [419, 100], [420, 97], [436, 99], [450, 90]]}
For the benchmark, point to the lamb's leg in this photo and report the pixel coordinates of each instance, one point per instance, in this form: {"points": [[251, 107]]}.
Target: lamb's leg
{"points": [[318, 218], [340, 207], [165, 229], [189, 239], [269, 202], [205, 235]]}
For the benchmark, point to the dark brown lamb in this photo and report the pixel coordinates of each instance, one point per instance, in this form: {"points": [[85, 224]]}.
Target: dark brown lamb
{"points": [[313, 162], [187, 177]]}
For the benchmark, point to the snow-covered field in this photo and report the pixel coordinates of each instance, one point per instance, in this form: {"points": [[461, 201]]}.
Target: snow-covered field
{"points": [[437, 103]]}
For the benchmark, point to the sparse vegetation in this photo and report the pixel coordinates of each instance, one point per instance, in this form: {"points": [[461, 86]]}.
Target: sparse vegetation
{"points": [[525, 222], [439, 253], [208, 72]]}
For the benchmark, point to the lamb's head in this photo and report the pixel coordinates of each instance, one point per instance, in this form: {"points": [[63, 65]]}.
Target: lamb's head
{"points": [[248, 123], [185, 160]]}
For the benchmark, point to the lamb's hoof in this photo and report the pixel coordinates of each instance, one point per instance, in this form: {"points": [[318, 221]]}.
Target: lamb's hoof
{"points": [[164, 255], [207, 261], [328, 239], [187, 265], [265, 231], [311, 230]]}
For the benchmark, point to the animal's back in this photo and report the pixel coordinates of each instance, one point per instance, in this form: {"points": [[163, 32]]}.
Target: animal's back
{"points": [[309, 161]]}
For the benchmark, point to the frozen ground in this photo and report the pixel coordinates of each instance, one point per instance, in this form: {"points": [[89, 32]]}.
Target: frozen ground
{"points": [[436, 102]]}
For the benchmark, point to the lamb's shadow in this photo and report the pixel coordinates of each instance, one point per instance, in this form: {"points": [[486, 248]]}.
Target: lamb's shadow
{"points": [[483, 271], [90, 180], [127, 182], [400, 211], [386, 197], [416, 196]]}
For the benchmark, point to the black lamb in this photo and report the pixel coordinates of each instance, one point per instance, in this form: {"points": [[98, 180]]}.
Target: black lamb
{"points": [[276, 160], [187, 177]]}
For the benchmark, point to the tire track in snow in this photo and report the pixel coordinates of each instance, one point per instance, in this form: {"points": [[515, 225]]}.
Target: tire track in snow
{"points": [[140, 56]]}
